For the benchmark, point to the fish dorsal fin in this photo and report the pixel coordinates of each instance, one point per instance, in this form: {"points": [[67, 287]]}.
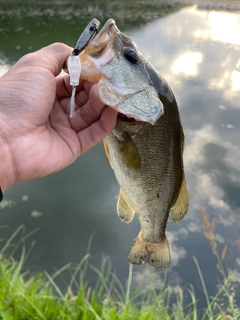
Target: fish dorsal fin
{"points": [[107, 152], [183, 139], [124, 210], [128, 153], [180, 207]]}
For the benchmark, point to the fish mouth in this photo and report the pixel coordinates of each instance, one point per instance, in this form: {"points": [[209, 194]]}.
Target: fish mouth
{"points": [[127, 119], [98, 45], [98, 52]]}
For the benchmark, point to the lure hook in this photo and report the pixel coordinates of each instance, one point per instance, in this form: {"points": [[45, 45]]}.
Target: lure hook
{"points": [[73, 62]]}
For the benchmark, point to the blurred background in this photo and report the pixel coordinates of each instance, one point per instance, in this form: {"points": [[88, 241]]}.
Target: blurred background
{"points": [[196, 48]]}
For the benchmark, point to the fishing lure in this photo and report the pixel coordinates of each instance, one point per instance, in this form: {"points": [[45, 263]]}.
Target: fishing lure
{"points": [[73, 62]]}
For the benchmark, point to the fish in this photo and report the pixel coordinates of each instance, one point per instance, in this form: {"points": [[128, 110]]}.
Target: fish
{"points": [[145, 149]]}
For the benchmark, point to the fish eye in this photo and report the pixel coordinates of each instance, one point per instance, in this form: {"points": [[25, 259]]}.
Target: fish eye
{"points": [[131, 55]]}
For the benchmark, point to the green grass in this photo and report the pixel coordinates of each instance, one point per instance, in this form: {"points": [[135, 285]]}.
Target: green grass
{"points": [[24, 296]]}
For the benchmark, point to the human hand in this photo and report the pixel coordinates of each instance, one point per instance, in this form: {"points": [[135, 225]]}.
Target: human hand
{"points": [[37, 138]]}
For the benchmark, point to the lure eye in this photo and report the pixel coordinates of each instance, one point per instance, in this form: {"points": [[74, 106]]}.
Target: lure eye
{"points": [[131, 55]]}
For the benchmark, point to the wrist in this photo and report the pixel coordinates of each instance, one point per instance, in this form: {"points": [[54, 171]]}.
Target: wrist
{"points": [[7, 175]]}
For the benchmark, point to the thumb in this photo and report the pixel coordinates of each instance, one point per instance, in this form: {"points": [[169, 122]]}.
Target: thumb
{"points": [[55, 55], [51, 57]]}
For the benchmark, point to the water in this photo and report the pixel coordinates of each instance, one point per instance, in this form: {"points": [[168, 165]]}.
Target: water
{"points": [[198, 53]]}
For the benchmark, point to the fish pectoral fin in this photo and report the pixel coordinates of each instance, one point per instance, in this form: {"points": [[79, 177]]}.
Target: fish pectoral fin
{"points": [[156, 254], [129, 154], [124, 210], [180, 207]]}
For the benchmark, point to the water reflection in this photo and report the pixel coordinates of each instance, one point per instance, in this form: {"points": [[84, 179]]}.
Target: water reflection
{"points": [[220, 27], [187, 64], [202, 65], [26, 26], [4, 65]]}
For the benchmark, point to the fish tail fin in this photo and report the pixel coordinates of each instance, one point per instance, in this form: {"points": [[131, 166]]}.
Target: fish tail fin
{"points": [[156, 254]]}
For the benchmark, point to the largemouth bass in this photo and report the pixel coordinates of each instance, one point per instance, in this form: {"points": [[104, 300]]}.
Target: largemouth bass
{"points": [[146, 147]]}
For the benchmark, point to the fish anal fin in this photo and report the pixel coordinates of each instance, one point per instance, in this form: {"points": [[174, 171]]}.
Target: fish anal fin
{"points": [[156, 254], [180, 207], [124, 210], [129, 154], [107, 151]]}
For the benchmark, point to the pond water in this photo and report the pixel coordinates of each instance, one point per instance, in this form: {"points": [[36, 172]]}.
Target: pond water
{"points": [[198, 53]]}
